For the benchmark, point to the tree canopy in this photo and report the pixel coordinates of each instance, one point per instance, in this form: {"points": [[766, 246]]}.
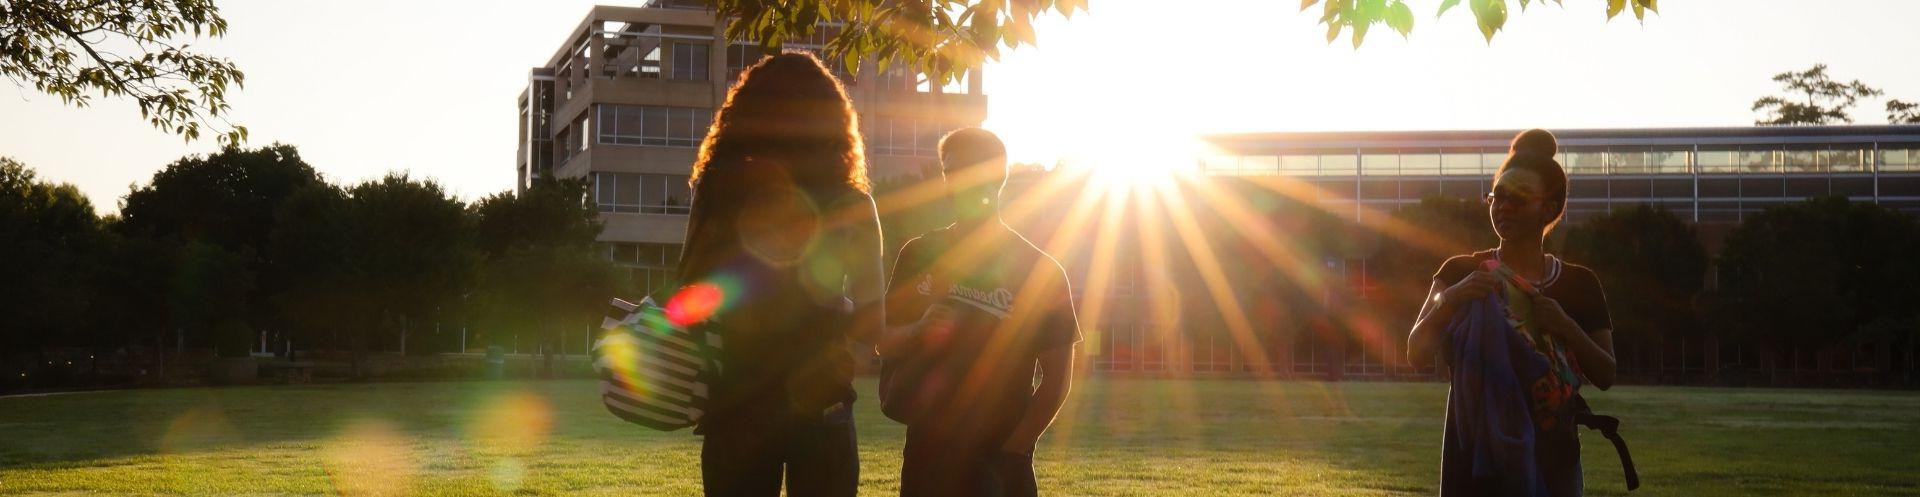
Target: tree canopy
{"points": [[944, 38], [77, 50]]}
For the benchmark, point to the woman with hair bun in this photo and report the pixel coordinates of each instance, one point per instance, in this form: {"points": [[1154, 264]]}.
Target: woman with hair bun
{"points": [[1553, 307]]}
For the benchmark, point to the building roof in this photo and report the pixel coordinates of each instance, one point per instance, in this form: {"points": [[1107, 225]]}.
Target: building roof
{"points": [[1743, 135]]}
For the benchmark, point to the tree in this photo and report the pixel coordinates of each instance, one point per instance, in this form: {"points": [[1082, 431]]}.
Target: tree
{"points": [[944, 38], [229, 200], [540, 272], [1817, 273], [1899, 112], [1651, 264], [48, 235], [74, 50], [1825, 100], [409, 255]]}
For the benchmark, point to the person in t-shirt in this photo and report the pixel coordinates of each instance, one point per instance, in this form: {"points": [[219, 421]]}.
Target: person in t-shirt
{"points": [[974, 308], [1565, 314]]}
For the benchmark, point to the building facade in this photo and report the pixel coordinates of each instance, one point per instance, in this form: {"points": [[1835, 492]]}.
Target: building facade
{"points": [[1337, 322], [627, 98]]}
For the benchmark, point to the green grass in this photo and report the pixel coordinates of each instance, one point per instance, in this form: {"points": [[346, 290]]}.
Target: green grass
{"points": [[1118, 437]]}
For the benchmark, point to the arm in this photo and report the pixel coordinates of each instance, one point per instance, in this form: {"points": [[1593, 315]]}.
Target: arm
{"points": [[907, 310], [866, 277], [1593, 350], [1424, 341], [1436, 312], [1056, 379]]}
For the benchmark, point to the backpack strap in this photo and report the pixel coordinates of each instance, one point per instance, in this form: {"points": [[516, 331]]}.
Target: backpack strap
{"points": [[1609, 427]]}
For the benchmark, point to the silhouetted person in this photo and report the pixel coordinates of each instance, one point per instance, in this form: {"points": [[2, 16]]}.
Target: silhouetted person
{"points": [[1565, 320], [783, 245], [973, 308]]}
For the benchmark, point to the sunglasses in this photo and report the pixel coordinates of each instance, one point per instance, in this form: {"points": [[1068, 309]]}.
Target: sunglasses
{"points": [[1509, 197]]}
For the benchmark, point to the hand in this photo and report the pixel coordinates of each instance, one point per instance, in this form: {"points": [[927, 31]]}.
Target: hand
{"points": [[1475, 286], [938, 322], [1552, 317]]}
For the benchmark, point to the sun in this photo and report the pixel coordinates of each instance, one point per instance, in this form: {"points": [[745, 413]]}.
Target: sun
{"points": [[1137, 162]]}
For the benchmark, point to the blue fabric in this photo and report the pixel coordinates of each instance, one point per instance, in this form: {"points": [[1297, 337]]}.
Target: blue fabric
{"points": [[1488, 403]]}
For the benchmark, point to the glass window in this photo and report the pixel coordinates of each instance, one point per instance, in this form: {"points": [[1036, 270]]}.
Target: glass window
{"points": [[1717, 161], [1845, 159], [1455, 163], [1220, 164], [1800, 161], [1339, 164], [1419, 163], [627, 193], [626, 125], [1759, 160], [625, 252], [1490, 162], [650, 254], [1260, 165], [1381, 164], [1585, 162], [1668, 161], [603, 191], [1900, 158], [679, 126], [679, 196], [654, 125], [690, 61], [1299, 165], [653, 188], [1627, 160]]}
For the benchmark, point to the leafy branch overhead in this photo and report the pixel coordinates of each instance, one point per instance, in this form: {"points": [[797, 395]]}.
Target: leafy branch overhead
{"points": [[78, 49], [942, 38], [1359, 15]]}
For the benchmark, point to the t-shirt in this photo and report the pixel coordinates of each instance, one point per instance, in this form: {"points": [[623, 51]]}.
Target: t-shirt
{"points": [[1013, 303], [1557, 452]]}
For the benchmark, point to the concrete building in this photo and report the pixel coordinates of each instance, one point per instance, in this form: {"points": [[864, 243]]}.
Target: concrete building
{"points": [[627, 98]]}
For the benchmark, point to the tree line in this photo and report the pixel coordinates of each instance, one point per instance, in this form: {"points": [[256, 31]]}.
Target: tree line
{"points": [[219, 251]]}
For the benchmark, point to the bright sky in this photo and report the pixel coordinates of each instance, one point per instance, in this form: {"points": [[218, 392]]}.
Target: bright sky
{"points": [[364, 87]]}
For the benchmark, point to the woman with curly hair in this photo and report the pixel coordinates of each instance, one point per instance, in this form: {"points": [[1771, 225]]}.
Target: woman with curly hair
{"points": [[783, 260]]}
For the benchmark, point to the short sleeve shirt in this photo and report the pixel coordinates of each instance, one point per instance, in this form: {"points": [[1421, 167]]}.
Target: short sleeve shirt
{"points": [[1013, 303]]}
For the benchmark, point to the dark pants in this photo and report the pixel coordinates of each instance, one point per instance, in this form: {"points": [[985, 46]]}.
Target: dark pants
{"points": [[818, 457], [941, 467]]}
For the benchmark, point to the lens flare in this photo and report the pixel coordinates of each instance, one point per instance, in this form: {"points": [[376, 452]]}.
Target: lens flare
{"points": [[370, 458], [197, 428], [507, 430], [695, 303]]}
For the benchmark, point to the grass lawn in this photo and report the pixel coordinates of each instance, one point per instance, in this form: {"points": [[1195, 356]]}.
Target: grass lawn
{"points": [[1117, 437]]}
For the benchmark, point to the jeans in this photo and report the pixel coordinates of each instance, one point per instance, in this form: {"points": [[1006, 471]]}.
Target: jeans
{"points": [[964, 468], [818, 458]]}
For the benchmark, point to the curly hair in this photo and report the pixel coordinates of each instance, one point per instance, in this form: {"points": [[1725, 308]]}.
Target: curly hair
{"points": [[787, 109]]}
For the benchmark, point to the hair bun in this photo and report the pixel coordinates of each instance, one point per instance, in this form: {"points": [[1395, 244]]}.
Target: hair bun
{"points": [[1534, 142]]}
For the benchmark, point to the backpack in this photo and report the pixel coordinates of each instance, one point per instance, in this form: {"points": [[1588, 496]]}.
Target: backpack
{"points": [[653, 373]]}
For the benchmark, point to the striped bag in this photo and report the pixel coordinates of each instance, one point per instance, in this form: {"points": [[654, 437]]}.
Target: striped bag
{"points": [[653, 373]]}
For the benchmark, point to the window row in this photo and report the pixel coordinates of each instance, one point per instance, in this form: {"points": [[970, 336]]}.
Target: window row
{"points": [[901, 136], [1579, 161], [650, 255], [653, 125], [642, 193]]}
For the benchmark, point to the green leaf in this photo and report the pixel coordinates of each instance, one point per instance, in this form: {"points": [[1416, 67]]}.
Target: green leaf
{"points": [[1614, 7], [1304, 4], [1333, 31], [1400, 18], [1444, 5], [1359, 33]]}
